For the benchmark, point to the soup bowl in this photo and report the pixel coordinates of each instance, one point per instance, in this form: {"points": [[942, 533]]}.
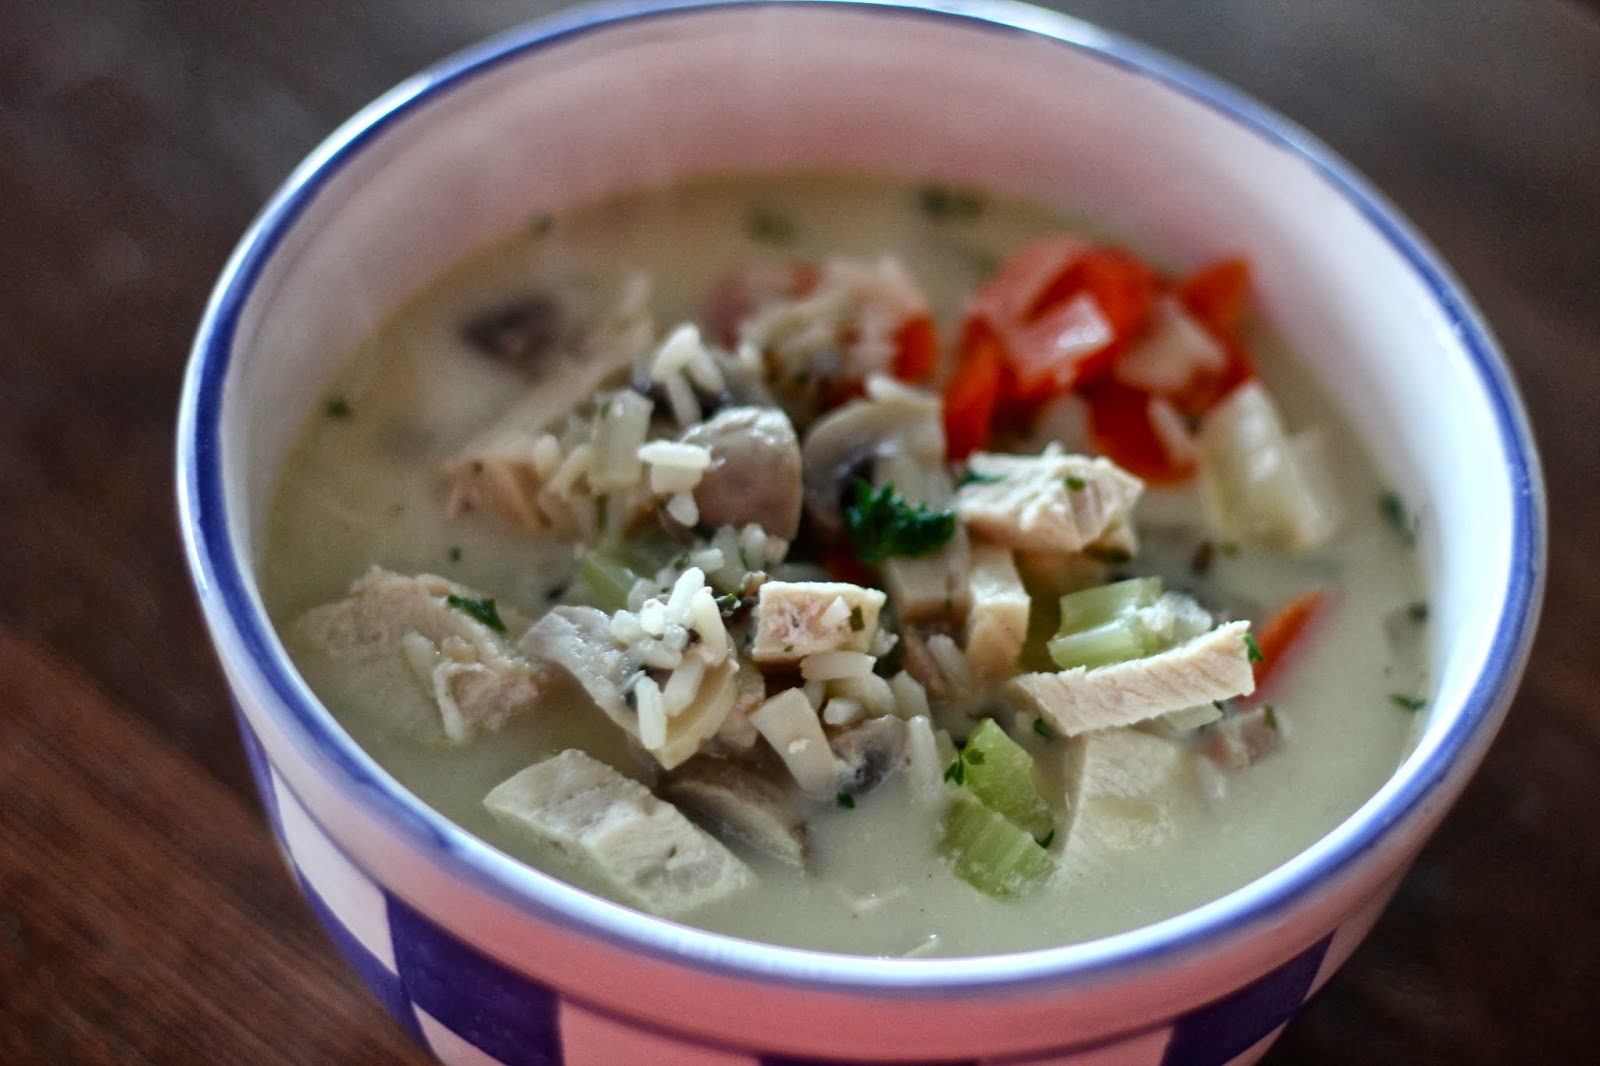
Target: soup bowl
{"points": [[486, 960]]}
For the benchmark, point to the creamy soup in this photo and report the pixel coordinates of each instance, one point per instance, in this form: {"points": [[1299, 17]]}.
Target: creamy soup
{"points": [[852, 564]]}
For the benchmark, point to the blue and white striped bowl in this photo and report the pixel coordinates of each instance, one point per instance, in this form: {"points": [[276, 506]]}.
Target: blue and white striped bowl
{"points": [[487, 961]]}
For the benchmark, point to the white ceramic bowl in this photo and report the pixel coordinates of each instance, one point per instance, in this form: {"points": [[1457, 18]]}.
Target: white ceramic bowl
{"points": [[486, 960]]}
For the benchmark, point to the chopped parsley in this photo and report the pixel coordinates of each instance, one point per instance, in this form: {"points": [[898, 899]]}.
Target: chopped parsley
{"points": [[974, 477], [1407, 703], [1393, 510], [768, 226], [1042, 729], [944, 204], [847, 801], [1253, 649], [957, 771], [338, 407], [1076, 484], [1269, 714], [883, 524], [1109, 556], [1417, 612], [857, 621], [543, 224], [455, 554], [1048, 837], [482, 610]]}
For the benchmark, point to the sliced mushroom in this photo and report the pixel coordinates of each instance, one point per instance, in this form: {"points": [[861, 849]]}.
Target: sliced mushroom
{"points": [[742, 800], [867, 754], [579, 640], [754, 474], [847, 442]]}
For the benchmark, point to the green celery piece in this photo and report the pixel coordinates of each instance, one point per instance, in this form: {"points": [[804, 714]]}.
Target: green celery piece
{"points": [[999, 772], [609, 579], [990, 853], [1096, 606], [1116, 641]]}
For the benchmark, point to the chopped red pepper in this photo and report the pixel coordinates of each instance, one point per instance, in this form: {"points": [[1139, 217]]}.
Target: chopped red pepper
{"points": [[1280, 634], [971, 397], [916, 349], [1122, 429]]}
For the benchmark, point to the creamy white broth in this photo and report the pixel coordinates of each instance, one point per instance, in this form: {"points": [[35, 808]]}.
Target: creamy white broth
{"points": [[362, 487]]}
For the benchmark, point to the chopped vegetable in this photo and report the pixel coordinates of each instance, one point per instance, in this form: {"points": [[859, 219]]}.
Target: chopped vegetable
{"points": [[882, 524], [1282, 631], [1000, 773], [946, 204], [608, 578], [338, 407], [916, 349], [990, 853], [1393, 510], [483, 610], [1408, 703], [972, 397]]}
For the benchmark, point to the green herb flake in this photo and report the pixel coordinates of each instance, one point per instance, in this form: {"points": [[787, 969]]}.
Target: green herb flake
{"points": [[1076, 484], [1048, 839], [847, 801], [769, 227], [455, 554], [883, 524], [1417, 612], [338, 407], [975, 477], [857, 621], [957, 771], [1393, 510], [543, 224], [1253, 648], [973, 757], [1042, 729], [944, 204], [1269, 714], [1407, 703], [482, 610]]}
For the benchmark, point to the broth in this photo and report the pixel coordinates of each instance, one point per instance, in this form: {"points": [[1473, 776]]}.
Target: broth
{"points": [[363, 487]]}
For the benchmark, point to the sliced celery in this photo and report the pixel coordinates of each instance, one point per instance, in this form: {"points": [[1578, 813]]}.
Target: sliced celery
{"points": [[990, 853], [608, 578], [1114, 642], [999, 771], [1096, 606]]}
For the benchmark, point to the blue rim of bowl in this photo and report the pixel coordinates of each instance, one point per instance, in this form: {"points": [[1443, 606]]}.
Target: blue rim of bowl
{"points": [[245, 637]]}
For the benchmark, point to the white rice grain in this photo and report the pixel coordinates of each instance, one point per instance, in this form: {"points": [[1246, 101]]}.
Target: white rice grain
{"points": [[625, 627], [685, 408], [653, 617], [870, 690], [676, 352], [652, 715], [836, 614], [830, 665], [689, 582], [546, 456], [574, 466], [683, 508], [951, 659], [703, 371], [706, 620], [910, 698], [682, 685], [840, 711]]}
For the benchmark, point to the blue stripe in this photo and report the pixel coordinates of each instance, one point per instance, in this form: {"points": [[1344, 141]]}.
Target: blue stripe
{"points": [[385, 984], [1217, 1032], [500, 1013]]}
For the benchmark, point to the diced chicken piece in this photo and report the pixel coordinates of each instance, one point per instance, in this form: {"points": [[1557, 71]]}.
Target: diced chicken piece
{"points": [[754, 476], [1212, 666], [868, 753], [391, 624], [1050, 502], [997, 618], [1244, 738], [740, 799], [795, 619], [641, 848], [1120, 785]]}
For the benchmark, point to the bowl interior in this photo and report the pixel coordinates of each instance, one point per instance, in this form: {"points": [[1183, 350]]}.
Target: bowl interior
{"points": [[577, 110]]}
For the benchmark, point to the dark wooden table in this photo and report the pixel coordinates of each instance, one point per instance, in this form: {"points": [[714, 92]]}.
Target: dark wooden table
{"points": [[145, 918]]}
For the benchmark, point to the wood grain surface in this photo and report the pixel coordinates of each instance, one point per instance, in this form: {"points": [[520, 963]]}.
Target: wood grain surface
{"points": [[144, 915]]}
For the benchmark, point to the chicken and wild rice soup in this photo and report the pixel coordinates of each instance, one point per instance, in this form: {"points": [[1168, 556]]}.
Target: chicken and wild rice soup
{"points": [[854, 564]]}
